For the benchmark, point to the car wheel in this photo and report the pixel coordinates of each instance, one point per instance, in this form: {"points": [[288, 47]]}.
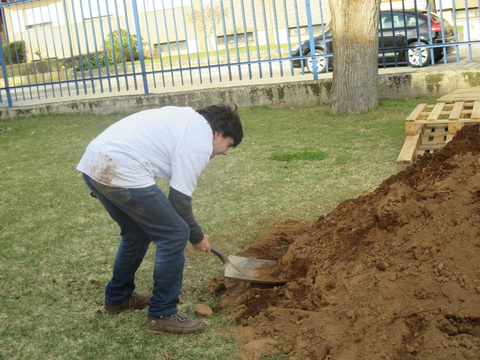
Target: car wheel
{"points": [[320, 60], [419, 57], [438, 57]]}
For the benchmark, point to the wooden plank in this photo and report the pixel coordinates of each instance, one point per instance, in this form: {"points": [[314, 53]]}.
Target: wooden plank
{"points": [[476, 111], [460, 97], [455, 115], [428, 140], [435, 131], [456, 111], [465, 94], [412, 129], [429, 147], [445, 122], [408, 152], [415, 113], [436, 112], [437, 127]]}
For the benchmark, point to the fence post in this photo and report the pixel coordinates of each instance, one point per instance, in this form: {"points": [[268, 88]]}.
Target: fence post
{"points": [[140, 46], [310, 35], [5, 76]]}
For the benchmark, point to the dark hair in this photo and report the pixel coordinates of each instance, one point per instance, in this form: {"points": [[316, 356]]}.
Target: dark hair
{"points": [[225, 120]]}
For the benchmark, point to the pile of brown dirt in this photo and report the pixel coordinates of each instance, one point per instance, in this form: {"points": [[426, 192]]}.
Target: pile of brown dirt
{"points": [[394, 274]]}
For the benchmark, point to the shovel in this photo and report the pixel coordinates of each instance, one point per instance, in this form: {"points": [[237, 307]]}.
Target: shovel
{"points": [[249, 270]]}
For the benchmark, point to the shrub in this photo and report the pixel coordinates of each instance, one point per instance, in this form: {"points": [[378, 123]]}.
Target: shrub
{"points": [[91, 61], [14, 52], [116, 44], [113, 52], [85, 62]]}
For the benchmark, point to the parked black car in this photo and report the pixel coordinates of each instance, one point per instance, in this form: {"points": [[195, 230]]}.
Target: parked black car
{"points": [[397, 29]]}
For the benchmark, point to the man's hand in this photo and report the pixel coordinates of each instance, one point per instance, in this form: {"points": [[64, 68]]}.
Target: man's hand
{"points": [[204, 245]]}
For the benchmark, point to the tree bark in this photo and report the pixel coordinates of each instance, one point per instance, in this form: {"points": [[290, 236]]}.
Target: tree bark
{"points": [[355, 55]]}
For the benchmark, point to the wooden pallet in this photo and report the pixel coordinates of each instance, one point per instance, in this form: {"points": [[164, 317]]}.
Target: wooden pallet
{"points": [[430, 127], [470, 94]]}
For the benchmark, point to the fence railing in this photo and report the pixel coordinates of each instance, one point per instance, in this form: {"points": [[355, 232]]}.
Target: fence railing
{"points": [[66, 48]]}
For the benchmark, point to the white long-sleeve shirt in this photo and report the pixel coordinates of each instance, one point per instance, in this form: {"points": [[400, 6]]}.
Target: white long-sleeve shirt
{"points": [[171, 143]]}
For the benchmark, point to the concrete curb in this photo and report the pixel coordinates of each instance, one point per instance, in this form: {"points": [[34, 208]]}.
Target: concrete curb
{"points": [[302, 93]]}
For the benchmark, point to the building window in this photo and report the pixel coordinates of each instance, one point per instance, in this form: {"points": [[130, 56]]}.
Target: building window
{"points": [[462, 14], [172, 46], [230, 39], [303, 30], [96, 10], [39, 25], [158, 5], [41, 16]]}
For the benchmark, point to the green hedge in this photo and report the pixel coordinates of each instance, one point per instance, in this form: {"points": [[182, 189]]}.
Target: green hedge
{"points": [[14, 52]]}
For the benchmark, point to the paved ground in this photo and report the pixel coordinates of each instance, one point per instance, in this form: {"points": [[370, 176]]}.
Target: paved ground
{"points": [[216, 78]]}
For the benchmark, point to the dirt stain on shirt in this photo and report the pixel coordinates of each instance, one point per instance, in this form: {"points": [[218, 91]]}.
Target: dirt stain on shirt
{"points": [[104, 170]]}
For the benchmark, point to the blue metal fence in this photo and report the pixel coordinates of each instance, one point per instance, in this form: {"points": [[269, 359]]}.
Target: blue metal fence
{"points": [[68, 48]]}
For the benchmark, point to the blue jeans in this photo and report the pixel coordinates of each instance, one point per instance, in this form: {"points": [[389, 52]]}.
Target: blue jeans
{"points": [[145, 215]]}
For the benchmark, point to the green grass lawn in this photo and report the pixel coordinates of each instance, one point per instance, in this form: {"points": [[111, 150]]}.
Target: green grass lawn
{"points": [[55, 69], [58, 243]]}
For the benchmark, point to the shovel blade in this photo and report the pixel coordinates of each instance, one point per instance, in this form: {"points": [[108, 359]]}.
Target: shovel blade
{"points": [[251, 270]]}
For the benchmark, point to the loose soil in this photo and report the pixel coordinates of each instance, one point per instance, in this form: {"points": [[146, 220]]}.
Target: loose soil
{"points": [[393, 274]]}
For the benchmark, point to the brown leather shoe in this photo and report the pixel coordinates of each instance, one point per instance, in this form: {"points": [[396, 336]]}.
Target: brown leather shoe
{"points": [[136, 301], [174, 324]]}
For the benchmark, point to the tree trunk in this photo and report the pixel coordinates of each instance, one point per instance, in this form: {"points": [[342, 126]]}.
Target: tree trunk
{"points": [[355, 59]]}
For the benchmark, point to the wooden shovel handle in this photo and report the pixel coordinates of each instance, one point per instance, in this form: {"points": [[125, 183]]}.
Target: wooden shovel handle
{"points": [[220, 254]]}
